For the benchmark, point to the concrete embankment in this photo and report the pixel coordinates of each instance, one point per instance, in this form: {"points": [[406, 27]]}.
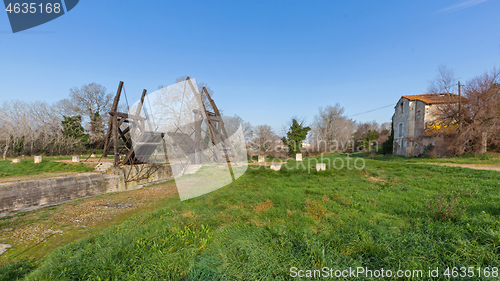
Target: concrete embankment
{"points": [[25, 195]]}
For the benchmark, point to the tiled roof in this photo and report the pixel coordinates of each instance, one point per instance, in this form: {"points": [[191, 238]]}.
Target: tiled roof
{"points": [[435, 98]]}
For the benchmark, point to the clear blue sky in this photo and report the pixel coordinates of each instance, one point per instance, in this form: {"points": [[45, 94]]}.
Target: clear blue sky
{"points": [[266, 60]]}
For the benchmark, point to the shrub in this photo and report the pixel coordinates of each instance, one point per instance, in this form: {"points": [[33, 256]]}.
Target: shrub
{"points": [[446, 206]]}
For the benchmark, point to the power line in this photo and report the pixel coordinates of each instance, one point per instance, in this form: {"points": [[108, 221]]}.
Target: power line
{"points": [[371, 110]]}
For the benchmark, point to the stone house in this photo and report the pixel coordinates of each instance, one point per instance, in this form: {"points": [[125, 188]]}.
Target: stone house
{"points": [[413, 116]]}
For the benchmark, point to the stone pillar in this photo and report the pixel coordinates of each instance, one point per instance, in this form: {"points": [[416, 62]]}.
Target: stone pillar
{"points": [[38, 159], [262, 158], [321, 167], [276, 167], [298, 157], [75, 159]]}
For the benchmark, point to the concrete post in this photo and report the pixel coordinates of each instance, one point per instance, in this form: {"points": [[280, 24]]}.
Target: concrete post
{"points": [[298, 157], [276, 167], [320, 167], [262, 158], [75, 159], [38, 159]]}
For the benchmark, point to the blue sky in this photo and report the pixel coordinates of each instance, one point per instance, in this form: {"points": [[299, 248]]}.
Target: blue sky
{"points": [[265, 60]]}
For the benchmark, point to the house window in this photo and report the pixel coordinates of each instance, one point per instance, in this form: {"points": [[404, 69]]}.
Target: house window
{"points": [[401, 105], [401, 130]]}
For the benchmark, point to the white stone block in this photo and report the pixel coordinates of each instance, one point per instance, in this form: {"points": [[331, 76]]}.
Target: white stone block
{"points": [[4, 247], [75, 159], [298, 157], [321, 167], [276, 167], [38, 159], [92, 155], [16, 160], [262, 158]]}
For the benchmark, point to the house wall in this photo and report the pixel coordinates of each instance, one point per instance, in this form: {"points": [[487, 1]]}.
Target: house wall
{"points": [[401, 123], [431, 112], [420, 115], [411, 121]]}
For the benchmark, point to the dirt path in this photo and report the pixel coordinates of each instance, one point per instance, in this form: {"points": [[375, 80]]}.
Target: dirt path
{"points": [[470, 166], [36, 233]]}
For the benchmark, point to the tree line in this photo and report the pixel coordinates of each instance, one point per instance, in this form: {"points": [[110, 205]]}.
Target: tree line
{"points": [[71, 125], [331, 131], [77, 123]]}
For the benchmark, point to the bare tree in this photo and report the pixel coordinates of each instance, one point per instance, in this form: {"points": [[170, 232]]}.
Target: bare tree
{"points": [[385, 132], [332, 130], [264, 139], [445, 81], [31, 128], [477, 124], [362, 129], [232, 124], [91, 100], [66, 107]]}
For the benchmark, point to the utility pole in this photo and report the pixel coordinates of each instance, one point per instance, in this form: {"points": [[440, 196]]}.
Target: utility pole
{"points": [[459, 106]]}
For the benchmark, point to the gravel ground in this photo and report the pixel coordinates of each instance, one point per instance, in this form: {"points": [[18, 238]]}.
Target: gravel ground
{"points": [[77, 218]]}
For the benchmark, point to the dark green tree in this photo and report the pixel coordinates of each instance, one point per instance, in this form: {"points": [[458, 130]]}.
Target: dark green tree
{"points": [[72, 127], [294, 137], [17, 144], [387, 146], [367, 139]]}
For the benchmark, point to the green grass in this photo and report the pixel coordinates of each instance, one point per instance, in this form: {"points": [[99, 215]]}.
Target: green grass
{"points": [[266, 222], [464, 159], [17, 270], [28, 167]]}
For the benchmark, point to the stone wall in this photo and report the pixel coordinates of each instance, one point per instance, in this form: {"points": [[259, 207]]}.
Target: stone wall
{"points": [[401, 122], [410, 121], [22, 195]]}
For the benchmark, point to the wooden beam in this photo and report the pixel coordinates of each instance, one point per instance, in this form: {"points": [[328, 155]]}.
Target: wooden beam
{"points": [[126, 115], [207, 120], [139, 107], [110, 122], [222, 128], [115, 139]]}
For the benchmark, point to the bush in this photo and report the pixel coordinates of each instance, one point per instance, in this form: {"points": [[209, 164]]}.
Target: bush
{"points": [[387, 146], [446, 206]]}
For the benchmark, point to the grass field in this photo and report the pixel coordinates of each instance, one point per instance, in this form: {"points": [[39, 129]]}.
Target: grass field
{"points": [[391, 214], [28, 167]]}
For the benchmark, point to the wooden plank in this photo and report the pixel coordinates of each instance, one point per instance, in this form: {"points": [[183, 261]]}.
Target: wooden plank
{"points": [[110, 122]]}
